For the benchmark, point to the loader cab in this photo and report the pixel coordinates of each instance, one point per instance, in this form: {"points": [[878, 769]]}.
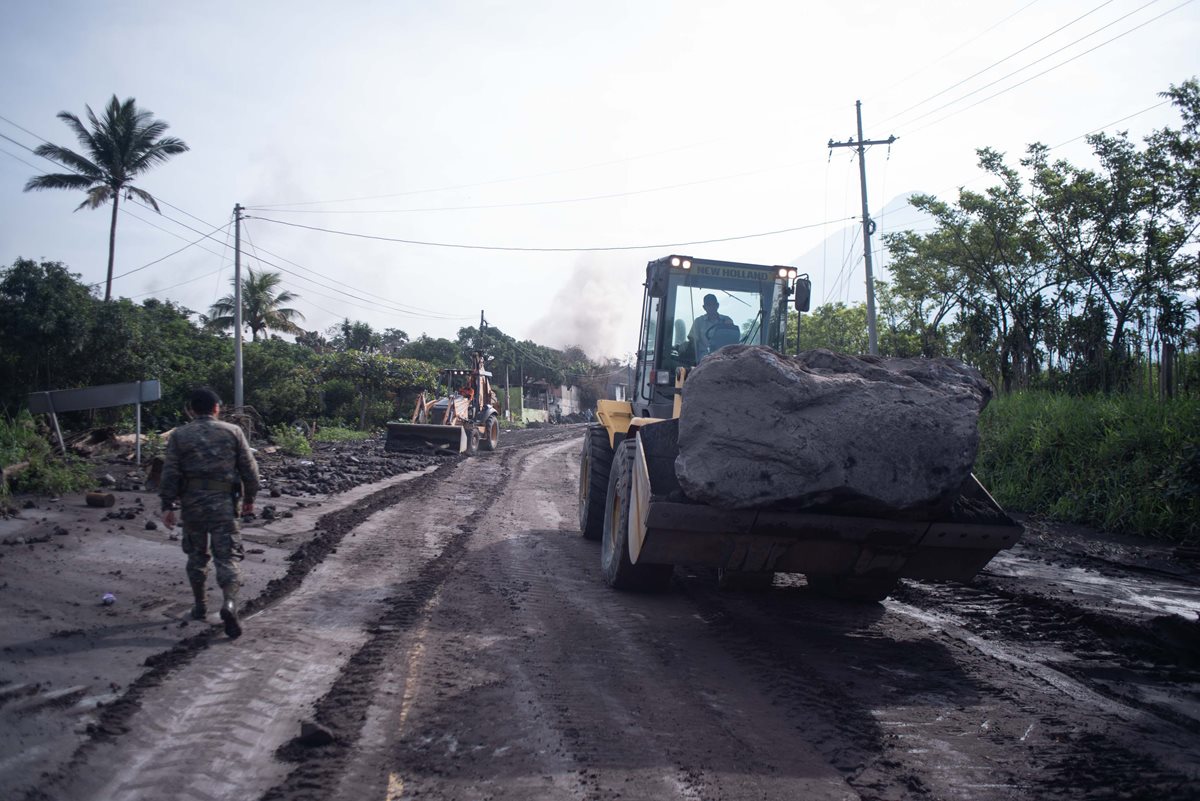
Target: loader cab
{"points": [[678, 331]]}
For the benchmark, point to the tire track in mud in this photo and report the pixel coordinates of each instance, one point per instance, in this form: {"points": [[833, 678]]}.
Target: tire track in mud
{"points": [[345, 708], [873, 693]]}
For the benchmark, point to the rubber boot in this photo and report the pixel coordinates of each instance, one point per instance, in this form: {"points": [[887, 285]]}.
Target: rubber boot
{"points": [[229, 615], [200, 608]]}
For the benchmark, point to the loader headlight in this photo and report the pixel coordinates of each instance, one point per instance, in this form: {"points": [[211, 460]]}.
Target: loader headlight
{"points": [[682, 262], [792, 273], [783, 272]]}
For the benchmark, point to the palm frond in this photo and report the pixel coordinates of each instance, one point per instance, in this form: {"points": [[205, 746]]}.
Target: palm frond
{"points": [[59, 180], [222, 308], [84, 136], [144, 196], [218, 323], [157, 153], [71, 160], [97, 197]]}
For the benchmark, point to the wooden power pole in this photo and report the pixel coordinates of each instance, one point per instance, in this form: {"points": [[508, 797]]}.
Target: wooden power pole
{"points": [[867, 223]]}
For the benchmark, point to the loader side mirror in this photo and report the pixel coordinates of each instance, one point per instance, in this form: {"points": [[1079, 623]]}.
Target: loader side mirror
{"points": [[803, 293], [657, 273]]}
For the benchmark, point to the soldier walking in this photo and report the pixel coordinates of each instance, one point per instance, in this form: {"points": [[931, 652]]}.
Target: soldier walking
{"points": [[207, 465]]}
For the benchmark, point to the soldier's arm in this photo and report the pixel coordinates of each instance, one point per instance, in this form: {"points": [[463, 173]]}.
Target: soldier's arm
{"points": [[169, 486], [247, 469]]}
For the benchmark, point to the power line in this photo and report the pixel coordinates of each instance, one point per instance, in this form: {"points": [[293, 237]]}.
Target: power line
{"points": [[15, 156], [379, 305], [176, 286], [994, 64], [956, 48], [1032, 63], [1051, 69], [163, 258], [1110, 124], [543, 249], [384, 303]]}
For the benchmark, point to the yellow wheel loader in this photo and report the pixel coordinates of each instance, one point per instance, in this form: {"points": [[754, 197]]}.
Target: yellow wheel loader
{"points": [[631, 500], [463, 420]]}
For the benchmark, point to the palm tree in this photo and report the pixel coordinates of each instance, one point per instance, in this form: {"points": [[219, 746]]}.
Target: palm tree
{"points": [[261, 306], [120, 147]]}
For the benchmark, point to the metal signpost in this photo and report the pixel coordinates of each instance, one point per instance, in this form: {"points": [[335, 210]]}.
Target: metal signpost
{"points": [[102, 397]]}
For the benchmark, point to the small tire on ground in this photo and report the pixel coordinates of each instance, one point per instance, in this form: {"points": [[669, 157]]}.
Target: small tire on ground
{"points": [[744, 580], [491, 434], [853, 588], [595, 462], [619, 571]]}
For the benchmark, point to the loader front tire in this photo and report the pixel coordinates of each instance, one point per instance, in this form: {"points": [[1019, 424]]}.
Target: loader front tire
{"points": [[619, 571], [595, 462], [472, 440]]}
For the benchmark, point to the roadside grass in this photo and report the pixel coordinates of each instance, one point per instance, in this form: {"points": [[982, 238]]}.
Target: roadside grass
{"points": [[1119, 463], [46, 472], [340, 434]]}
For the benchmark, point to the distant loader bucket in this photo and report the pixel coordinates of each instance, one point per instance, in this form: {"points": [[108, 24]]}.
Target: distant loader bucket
{"points": [[426, 438]]}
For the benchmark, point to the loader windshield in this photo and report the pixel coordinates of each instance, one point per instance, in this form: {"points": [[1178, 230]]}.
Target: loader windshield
{"points": [[713, 305]]}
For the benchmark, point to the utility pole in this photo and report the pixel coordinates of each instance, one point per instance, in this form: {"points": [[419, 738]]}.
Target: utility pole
{"points": [[867, 223], [238, 396]]}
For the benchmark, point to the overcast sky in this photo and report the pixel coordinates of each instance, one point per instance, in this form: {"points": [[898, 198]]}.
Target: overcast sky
{"points": [[568, 143]]}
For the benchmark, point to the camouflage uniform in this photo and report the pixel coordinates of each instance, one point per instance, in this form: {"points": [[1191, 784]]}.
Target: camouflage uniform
{"points": [[205, 463]]}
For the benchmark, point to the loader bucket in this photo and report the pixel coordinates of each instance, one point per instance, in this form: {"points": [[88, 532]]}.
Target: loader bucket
{"points": [[426, 438], [667, 528]]}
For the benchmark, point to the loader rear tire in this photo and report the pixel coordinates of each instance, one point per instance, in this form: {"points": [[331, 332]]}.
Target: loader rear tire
{"points": [[853, 588], [491, 434], [619, 571], [595, 462]]}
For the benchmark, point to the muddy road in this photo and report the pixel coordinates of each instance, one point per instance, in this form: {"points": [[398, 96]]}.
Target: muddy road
{"points": [[450, 637]]}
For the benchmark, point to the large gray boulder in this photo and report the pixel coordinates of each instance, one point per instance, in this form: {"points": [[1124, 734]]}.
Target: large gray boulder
{"points": [[856, 434]]}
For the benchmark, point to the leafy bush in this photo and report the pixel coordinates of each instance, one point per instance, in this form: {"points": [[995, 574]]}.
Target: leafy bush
{"points": [[290, 441], [1120, 463], [47, 473]]}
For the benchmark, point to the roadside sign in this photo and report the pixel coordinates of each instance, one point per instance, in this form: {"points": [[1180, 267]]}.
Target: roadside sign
{"points": [[101, 397]]}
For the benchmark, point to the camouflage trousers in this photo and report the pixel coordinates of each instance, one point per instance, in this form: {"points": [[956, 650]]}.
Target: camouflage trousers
{"points": [[224, 540]]}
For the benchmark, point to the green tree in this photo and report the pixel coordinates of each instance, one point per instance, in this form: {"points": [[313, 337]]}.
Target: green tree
{"points": [[833, 326], [354, 335], [45, 318], [374, 374], [1126, 229], [438, 351], [262, 306], [121, 146]]}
